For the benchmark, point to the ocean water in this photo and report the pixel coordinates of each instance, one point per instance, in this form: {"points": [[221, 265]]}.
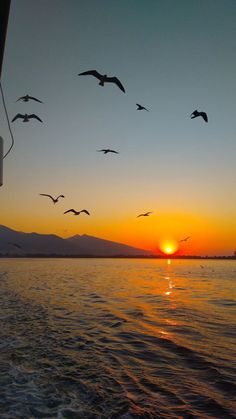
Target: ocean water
{"points": [[117, 338]]}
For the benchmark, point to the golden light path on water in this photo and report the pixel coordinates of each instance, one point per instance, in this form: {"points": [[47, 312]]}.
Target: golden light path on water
{"points": [[103, 338]]}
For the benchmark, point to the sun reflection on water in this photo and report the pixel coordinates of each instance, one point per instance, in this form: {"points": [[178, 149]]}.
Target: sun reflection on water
{"points": [[118, 324]]}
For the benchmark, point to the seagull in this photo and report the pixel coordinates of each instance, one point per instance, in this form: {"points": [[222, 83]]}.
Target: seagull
{"points": [[108, 150], [146, 214], [141, 108], [103, 78], [26, 117], [77, 212], [15, 244], [26, 98], [195, 114], [54, 200], [184, 240]]}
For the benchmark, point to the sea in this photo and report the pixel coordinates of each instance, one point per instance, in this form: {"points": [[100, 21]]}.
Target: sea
{"points": [[117, 338]]}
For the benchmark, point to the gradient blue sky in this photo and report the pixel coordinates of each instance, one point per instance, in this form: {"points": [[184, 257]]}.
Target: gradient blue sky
{"points": [[172, 57]]}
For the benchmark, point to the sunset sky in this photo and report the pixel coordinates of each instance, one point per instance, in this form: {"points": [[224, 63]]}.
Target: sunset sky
{"points": [[172, 57]]}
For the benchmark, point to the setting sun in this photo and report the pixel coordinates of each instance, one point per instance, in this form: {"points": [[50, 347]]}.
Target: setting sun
{"points": [[169, 250], [168, 247]]}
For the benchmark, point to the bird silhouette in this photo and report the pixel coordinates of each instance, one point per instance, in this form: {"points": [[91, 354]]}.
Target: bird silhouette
{"points": [[146, 214], [54, 200], [184, 240], [108, 150], [26, 117], [26, 98], [77, 212], [141, 108], [103, 78], [15, 245], [195, 114]]}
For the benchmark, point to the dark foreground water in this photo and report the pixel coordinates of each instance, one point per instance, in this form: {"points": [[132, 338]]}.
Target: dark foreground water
{"points": [[102, 338]]}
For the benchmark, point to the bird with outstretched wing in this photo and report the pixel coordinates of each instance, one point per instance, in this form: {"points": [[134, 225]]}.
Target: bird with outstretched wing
{"points": [[146, 214], [26, 117], [184, 240], [103, 78], [77, 212], [195, 114], [54, 200], [26, 98], [15, 245], [108, 150], [141, 108]]}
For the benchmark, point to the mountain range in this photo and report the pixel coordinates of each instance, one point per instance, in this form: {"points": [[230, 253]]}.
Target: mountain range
{"points": [[20, 243]]}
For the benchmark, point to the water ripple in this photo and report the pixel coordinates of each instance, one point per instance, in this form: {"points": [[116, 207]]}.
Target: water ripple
{"points": [[116, 339]]}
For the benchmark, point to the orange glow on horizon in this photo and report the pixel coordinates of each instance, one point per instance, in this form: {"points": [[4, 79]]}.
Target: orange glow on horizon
{"points": [[169, 247], [209, 235]]}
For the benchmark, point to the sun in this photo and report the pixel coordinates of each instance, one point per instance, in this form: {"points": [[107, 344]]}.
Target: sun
{"points": [[169, 250], [169, 247]]}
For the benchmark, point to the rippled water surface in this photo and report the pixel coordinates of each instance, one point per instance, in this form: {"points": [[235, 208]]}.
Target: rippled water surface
{"points": [[105, 338]]}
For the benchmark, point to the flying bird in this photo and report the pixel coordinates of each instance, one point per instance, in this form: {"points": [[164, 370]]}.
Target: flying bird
{"points": [[184, 240], [141, 108], [26, 98], [195, 114], [15, 244], [103, 78], [26, 117], [146, 214], [77, 212], [108, 150], [54, 200]]}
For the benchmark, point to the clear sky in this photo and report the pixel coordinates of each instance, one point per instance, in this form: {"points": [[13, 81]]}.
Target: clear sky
{"points": [[172, 57]]}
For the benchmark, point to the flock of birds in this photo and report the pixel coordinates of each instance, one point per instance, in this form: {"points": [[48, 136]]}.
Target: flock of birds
{"points": [[103, 78], [55, 200], [26, 117]]}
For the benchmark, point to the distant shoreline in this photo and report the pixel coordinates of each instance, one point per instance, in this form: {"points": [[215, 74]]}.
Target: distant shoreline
{"points": [[53, 256]]}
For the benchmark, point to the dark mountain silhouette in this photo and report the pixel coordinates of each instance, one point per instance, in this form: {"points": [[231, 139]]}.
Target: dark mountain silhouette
{"points": [[46, 244], [89, 244], [32, 242]]}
